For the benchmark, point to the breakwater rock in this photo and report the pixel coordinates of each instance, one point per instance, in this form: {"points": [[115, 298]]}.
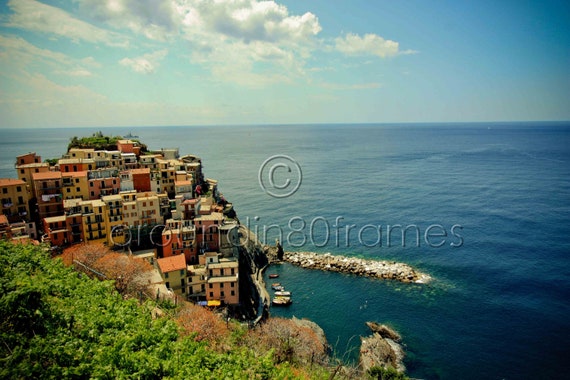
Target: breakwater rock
{"points": [[361, 267], [381, 349]]}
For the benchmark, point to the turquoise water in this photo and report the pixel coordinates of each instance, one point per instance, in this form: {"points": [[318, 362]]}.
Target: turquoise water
{"points": [[498, 305]]}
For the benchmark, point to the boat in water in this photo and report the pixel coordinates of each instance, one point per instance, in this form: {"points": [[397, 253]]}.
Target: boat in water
{"points": [[130, 136], [273, 275], [283, 293], [282, 301]]}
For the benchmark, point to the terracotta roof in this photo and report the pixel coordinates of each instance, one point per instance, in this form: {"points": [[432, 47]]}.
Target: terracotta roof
{"points": [[172, 263], [3, 219], [11, 181], [46, 175]]}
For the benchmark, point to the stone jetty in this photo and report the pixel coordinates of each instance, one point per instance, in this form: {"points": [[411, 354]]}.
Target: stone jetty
{"points": [[360, 267]]}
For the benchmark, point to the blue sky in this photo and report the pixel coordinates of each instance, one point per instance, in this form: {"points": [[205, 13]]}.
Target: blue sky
{"points": [[196, 62]]}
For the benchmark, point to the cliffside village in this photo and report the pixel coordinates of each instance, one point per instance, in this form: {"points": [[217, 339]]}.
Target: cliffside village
{"points": [[153, 202]]}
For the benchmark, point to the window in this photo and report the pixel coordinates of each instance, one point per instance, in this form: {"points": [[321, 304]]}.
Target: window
{"points": [[167, 285], [211, 286], [166, 275], [182, 272], [78, 189], [21, 171], [233, 293], [221, 294], [19, 188], [211, 294], [233, 284], [4, 190], [92, 193]]}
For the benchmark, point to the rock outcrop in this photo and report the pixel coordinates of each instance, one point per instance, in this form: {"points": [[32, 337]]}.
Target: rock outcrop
{"points": [[352, 265], [381, 349]]}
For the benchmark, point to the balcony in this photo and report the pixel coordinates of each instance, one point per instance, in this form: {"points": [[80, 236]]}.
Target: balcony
{"points": [[50, 198]]}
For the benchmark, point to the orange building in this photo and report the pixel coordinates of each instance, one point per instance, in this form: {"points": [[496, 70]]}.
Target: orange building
{"points": [[222, 275], [75, 164], [141, 179], [55, 230], [179, 238], [49, 198]]}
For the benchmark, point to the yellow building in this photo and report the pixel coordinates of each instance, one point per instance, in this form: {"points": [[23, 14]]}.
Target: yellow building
{"points": [[173, 271], [75, 185], [14, 199], [87, 153], [94, 219], [26, 166], [114, 228]]}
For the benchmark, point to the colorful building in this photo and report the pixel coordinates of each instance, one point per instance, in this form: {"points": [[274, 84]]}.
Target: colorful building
{"points": [[14, 199], [173, 271], [49, 196], [179, 238]]}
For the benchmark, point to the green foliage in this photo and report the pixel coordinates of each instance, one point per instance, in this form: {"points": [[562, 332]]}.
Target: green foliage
{"points": [[97, 141], [57, 323], [389, 373], [51, 161]]}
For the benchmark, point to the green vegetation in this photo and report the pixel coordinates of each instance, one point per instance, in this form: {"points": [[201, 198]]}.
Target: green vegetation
{"points": [[58, 323], [51, 161], [99, 141], [382, 373]]}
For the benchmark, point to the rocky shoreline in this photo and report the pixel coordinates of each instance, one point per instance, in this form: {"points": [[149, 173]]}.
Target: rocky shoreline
{"points": [[382, 349], [389, 270]]}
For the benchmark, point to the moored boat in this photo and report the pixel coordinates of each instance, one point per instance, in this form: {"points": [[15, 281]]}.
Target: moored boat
{"points": [[277, 286], [282, 301], [283, 293], [273, 275]]}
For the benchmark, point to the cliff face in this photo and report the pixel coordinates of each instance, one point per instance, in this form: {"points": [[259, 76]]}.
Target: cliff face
{"points": [[253, 260]]}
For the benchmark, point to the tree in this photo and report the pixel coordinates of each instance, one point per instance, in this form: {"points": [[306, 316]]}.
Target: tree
{"points": [[129, 273]]}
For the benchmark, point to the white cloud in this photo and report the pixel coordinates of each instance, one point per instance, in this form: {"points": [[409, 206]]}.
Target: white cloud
{"points": [[145, 64], [154, 19], [370, 44], [20, 55], [35, 16]]}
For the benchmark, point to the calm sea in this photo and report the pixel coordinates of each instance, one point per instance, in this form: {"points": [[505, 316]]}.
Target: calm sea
{"points": [[498, 307]]}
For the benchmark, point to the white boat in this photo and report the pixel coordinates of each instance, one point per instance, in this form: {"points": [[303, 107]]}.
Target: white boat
{"points": [[282, 301], [283, 293]]}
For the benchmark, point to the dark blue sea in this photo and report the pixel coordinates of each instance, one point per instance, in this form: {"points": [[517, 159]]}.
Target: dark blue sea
{"points": [[493, 200]]}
